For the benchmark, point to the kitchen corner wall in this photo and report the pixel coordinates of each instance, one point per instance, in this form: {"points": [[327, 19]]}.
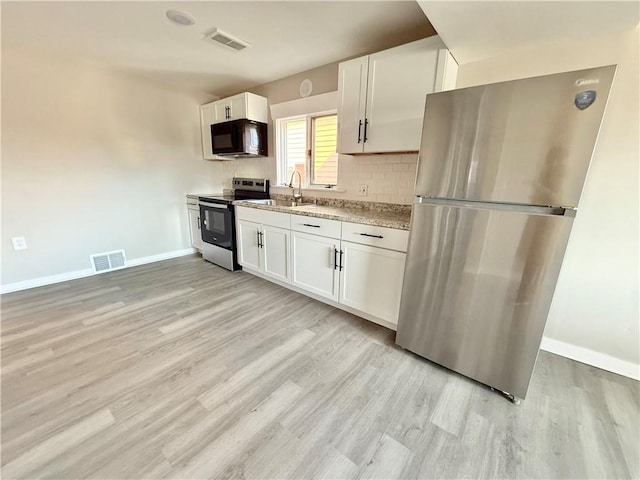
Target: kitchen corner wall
{"points": [[595, 311], [93, 160], [389, 178]]}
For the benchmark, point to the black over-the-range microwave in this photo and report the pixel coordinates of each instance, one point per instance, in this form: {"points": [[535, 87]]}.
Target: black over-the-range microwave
{"points": [[239, 138]]}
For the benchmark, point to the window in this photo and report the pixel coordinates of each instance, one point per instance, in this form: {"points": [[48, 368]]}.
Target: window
{"points": [[307, 143]]}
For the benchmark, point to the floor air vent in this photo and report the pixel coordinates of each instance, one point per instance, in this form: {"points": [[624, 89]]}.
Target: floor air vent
{"points": [[105, 262], [218, 36]]}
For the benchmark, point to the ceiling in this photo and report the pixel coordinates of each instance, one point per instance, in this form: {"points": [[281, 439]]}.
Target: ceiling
{"points": [[475, 30], [287, 37]]}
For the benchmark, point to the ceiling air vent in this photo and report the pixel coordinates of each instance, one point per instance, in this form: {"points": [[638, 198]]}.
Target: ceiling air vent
{"points": [[105, 262], [218, 36]]}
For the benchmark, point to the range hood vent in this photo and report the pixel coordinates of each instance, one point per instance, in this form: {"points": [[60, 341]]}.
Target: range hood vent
{"points": [[218, 36]]}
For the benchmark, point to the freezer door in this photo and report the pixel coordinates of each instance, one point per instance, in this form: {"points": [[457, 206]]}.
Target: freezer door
{"points": [[524, 141], [477, 289]]}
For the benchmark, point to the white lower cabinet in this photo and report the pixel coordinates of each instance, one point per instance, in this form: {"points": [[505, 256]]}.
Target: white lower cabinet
{"points": [[363, 274], [248, 234], [275, 252], [264, 248], [314, 265], [372, 280], [193, 211], [358, 266]]}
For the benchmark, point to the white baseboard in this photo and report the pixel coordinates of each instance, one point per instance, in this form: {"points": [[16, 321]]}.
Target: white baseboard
{"points": [[161, 256], [48, 280], [591, 357], [87, 272]]}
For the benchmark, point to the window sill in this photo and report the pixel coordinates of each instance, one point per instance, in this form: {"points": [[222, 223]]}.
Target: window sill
{"points": [[312, 189]]}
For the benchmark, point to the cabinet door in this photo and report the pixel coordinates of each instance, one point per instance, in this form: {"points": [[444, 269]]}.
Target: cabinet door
{"points": [[313, 264], [206, 119], [398, 82], [352, 92], [194, 228], [275, 253], [256, 107], [237, 107], [221, 111], [248, 250], [371, 280]]}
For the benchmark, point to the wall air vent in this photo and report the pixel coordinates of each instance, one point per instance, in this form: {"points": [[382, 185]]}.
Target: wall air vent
{"points": [[218, 36], [108, 261]]}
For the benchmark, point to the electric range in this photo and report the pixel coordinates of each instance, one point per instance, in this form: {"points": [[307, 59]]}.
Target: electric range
{"points": [[217, 220]]}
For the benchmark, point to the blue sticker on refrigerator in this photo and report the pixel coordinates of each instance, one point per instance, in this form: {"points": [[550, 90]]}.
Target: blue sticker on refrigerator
{"points": [[585, 99]]}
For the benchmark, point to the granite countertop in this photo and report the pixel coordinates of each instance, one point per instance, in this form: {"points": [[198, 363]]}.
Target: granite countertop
{"points": [[196, 195], [389, 215]]}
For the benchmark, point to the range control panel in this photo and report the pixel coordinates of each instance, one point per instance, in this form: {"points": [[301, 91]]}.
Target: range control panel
{"points": [[252, 184]]}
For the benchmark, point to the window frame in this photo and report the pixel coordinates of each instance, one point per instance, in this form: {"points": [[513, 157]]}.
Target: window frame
{"points": [[282, 161]]}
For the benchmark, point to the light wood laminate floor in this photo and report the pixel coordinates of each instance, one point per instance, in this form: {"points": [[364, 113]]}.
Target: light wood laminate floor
{"points": [[180, 369]]}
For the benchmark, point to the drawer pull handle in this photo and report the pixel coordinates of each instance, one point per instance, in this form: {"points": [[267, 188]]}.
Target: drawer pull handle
{"points": [[311, 225], [370, 235]]}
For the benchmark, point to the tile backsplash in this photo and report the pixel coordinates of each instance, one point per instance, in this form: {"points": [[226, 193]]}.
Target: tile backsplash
{"points": [[389, 178]]}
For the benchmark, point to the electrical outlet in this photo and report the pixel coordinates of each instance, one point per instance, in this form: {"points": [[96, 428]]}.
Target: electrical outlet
{"points": [[363, 191], [19, 243]]}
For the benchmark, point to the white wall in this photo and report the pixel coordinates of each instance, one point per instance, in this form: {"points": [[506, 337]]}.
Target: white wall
{"points": [[594, 316], [93, 160]]}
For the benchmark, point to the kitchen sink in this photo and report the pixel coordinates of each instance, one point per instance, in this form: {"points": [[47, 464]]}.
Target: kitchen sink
{"points": [[280, 203]]}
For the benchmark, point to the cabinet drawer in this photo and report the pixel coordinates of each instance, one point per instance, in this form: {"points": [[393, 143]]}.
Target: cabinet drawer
{"points": [[316, 226], [265, 217], [382, 237]]}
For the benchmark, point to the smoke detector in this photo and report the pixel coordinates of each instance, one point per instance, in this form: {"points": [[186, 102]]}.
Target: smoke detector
{"points": [[218, 36], [180, 18]]}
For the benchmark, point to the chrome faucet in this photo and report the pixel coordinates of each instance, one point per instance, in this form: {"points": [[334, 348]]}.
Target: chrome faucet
{"points": [[296, 196]]}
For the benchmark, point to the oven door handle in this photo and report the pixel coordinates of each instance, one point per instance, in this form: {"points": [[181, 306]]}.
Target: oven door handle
{"points": [[214, 205]]}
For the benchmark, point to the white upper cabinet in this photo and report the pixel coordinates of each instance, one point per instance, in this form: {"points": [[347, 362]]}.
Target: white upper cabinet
{"points": [[244, 105], [382, 96], [207, 116], [352, 100]]}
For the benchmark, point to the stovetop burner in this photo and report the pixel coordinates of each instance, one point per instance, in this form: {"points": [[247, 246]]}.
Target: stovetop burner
{"points": [[243, 189]]}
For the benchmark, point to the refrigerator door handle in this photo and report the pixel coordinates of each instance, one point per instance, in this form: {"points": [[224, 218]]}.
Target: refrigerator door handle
{"points": [[513, 207]]}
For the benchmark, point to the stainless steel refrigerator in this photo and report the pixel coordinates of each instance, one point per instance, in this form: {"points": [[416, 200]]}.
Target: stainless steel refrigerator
{"points": [[500, 173]]}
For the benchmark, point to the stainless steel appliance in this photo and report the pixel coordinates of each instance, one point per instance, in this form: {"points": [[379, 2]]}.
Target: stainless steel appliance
{"points": [[217, 221], [239, 138], [500, 173]]}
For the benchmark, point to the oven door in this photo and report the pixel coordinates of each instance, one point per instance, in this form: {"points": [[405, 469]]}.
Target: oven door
{"points": [[216, 224]]}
